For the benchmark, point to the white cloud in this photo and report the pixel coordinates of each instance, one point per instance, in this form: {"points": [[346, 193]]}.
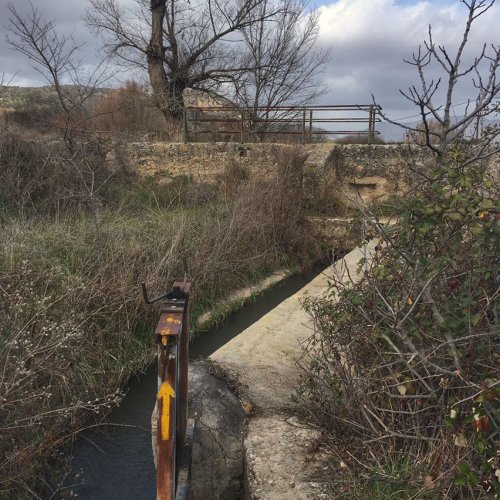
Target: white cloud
{"points": [[370, 38]]}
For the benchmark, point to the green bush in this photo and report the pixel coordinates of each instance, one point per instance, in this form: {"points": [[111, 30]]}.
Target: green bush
{"points": [[406, 361]]}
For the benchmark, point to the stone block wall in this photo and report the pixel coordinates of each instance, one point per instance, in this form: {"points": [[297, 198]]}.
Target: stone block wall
{"points": [[371, 173], [336, 172], [204, 162]]}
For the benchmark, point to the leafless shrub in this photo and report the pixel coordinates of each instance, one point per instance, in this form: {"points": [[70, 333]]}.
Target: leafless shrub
{"points": [[72, 324], [41, 176], [130, 111]]}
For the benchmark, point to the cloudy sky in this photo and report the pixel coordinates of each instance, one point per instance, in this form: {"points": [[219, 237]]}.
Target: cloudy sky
{"points": [[369, 39]]}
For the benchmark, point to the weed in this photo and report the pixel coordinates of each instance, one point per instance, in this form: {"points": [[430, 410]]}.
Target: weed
{"points": [[73, 327]]}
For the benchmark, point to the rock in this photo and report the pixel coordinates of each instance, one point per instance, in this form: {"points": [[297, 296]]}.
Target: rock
{"points": [[217, 456], [217, 462]]}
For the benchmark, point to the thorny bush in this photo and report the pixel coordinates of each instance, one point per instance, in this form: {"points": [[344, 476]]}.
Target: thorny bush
{"points": [[406, 360]]}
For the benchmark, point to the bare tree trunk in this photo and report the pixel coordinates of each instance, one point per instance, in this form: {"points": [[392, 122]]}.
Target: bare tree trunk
{"points": [[155, 57]]}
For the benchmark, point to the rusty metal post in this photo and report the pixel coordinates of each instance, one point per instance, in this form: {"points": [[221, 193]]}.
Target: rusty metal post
{"points": [[242, 124], [303, 125], [172, 337], [310, 125], [371, 125], [183, 365], [185, 136], [166, 428]]}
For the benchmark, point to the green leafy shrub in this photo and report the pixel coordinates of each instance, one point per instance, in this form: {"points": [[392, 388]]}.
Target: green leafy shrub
{"points": [[406, 360]]}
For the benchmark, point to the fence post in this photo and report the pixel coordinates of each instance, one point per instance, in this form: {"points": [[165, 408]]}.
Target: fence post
{"points": [[310, 125], [185, 137], [242, 125], [371, 125], [303, 125]]}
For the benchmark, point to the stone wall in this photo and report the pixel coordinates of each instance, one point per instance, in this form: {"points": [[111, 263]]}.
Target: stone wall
{"points": [[204, 162], [372, 173], [332, 172]]}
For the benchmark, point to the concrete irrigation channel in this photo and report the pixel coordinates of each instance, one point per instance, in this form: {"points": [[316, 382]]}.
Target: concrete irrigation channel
{"points": [[248, 441]]}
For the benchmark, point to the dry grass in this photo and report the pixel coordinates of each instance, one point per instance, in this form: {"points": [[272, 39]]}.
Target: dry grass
{"points": [[73, 327]]}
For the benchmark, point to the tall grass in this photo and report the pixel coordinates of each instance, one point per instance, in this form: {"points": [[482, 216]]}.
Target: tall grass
{"points": [[73, 327]]}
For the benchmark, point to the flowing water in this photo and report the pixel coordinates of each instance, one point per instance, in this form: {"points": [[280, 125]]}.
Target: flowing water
{"points": [[115, 461]]}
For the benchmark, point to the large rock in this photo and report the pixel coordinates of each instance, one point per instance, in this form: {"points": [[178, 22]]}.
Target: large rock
{"points": [[217, 456], [217, 462]]}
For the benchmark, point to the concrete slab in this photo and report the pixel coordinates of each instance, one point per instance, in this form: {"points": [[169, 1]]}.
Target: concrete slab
{"points": [[280, 460], [263, 357]]}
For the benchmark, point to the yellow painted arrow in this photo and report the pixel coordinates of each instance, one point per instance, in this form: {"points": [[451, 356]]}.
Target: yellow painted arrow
{"points": [[165, 393]]}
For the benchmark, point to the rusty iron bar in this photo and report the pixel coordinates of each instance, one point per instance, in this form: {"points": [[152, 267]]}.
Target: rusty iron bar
{"points": [[286, 120], [362, 107], [288, 132], [242, 127], [303, 125], [371, 125], [184, 474], [172, 338]]}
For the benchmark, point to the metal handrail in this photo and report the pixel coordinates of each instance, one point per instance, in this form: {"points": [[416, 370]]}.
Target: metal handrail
{"points": [[306, 122]]}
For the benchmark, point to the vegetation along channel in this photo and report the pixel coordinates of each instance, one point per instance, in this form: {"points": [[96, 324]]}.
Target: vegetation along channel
{"points": [[117, 461], [230, 141]]}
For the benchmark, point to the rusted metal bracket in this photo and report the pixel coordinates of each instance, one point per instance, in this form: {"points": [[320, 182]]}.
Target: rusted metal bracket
{"points": [[172, 338]]}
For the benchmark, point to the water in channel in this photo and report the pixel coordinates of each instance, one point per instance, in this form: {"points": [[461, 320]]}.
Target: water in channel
{"points": [[115, 461]]}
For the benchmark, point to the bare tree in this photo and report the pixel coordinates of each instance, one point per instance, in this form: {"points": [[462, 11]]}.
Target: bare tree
{"points": [[437, 127], [284, 56], [203, 45], [55, 58]]}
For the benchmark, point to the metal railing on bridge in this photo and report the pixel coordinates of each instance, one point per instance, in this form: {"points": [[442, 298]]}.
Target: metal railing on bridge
{"points": [[301, 124]]}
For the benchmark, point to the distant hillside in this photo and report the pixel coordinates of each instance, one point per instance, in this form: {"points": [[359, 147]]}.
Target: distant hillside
{"points": [[393, 133], [19, 98]]}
